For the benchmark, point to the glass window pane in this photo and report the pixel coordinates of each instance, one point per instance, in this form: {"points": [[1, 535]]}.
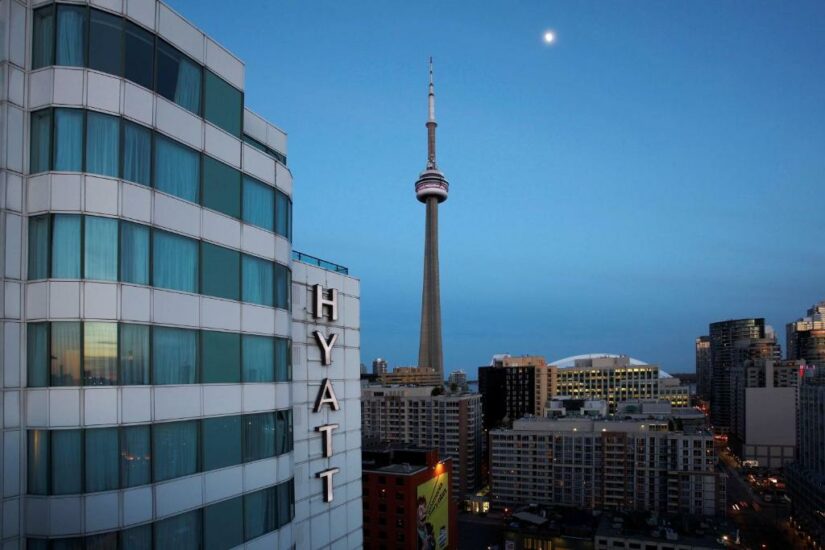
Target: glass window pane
{"points": [[37, 544], [38, 247], [65, 249], [65, 353], [137, 153], [283, 286], [134, 354], [68, 140], [283, 360], [220, 269], [37, 355], [139, 55], [136, 538], [99, 354], [71, 35], [178, 78], [135, 456], [106, 541], [175, 262], [282, 432], [134, 253], [105, 42], [223, 104], [177, 169], [38, 462], [43, 38], [221, 187], [257, 281], [284, 498], [258, 204], [258, 358], [101, 458], [223, 525], [174, 356], [283, 216], [259, 436], [66, 460], [182, 532], [100, 254], [41, 141], [102, 144], [221, 357], [67, 544], [175, 449], [221, 442], [260, 515]]}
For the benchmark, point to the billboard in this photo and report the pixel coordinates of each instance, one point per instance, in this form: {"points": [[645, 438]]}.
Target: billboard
{"points": [[433, 513]]}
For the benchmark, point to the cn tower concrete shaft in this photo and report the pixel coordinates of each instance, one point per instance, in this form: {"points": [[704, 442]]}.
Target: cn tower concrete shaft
{"points": [[429, 349]]}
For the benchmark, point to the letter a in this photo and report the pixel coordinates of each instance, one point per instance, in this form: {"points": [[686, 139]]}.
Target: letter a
{"points": [[326, 396]]}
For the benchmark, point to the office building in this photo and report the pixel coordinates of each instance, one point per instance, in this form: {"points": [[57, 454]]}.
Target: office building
{"points": [[379, 366], [514, 386], [703, 368], [599, 464], [450, 423], [565, 406], [156, 390], [408, 499], [806, 337], [411, 376]]}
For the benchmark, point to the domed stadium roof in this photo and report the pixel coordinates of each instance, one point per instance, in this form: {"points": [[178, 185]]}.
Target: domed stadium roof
{"points": [[568, 362]]}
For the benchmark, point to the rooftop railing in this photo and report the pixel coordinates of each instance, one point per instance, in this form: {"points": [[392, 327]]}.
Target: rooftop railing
{"points": [[318, 262]]}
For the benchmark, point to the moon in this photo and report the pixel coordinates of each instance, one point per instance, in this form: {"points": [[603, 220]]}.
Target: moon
{"points": [[549, 37]]}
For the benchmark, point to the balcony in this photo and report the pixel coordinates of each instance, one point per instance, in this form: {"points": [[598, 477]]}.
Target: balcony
{"points": [[318, 262]]}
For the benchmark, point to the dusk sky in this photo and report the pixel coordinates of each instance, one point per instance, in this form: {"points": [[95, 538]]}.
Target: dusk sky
{"points": [[659, 167]]}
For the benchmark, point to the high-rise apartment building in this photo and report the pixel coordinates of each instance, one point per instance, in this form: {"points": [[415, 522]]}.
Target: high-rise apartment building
{"points": [[157, 391], [379, 366], [605, 465], [412, 376], [806, 337], [514, 386], [450, 423], [703, 368], [458, 378]]}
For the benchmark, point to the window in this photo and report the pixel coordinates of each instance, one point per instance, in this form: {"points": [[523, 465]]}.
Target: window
{"points": [[177, 169], [283, 360], [258, 358], [174, 356], [174, 449], [65, 353], [178, 78], [283, 286], [285, 498], [100, 250], [223, 525], [38, 247], [71, 35], [136, 538], [134, 253], [137, 153], [222, 104], [259, 436], [43, 38], [134, 354], [66, 454], [68, 138], [41, 141], [101, 457], [105, 44], [181, 532], [221, 352], [37, 354], [38, 462], [221, 187], [283, 215], [283, 430], [135, 456], [257, 281], [175, 264], [99, 354], [258, 204], [221, 442], [65, 250], [220, 271], [139, 55], [260, 515]]}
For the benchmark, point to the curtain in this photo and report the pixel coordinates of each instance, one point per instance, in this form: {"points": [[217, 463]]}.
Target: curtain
{"points": [[223, 525], [134, 355], [283, 217], [177, 169], [66, 455], [37, 354], [283, 360], [68, 140], [99, 354], [101, 459], [174, 356], [258, 204], [134, 253], [137, 153], [136, 538], [283, 283], [259, 513], [175, 264], [175, 450], [41, 135], [38, 248], [38, 462], [65, 353], [284, 504], [221, 442], [135, 456], [66, 246], [102, 144], [43, 38], [100, 255], [71, 35], [188, 89], [258, 358], [257, 280], [259, 436], [281, 432], [182, 532]]}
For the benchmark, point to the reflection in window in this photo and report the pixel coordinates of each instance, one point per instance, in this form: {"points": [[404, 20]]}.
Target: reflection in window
{"points": [[259, 436], [257, 281], [38, 247], [220, 357], [182, 532], [100, 250], [258, 358], [175, 450], [66, 462], [223, 525], [66, 246], [43, 38], [178, 78], [258, 204], [38, 462], [41, 141], [65, 353], [137, 153], [102, 144], [134, 253], [177, 169], [99, 354], [135, 456], [71, 35], [221, 187], [175, 262], [105, 42], [223, 104], [68, 139], [221, 442], [220, 271], [101, 457], [139, 55], [134, 354], [174, 356], [37, 355]]}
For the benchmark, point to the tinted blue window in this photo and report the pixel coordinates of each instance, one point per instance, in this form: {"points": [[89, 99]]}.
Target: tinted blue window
{"points": [[102, 144], [65, 353], [174, 356], [100, 250], [283, 286], [223, 104], [182, 532], [259, 436], [175, 262], [223, 525], [135, 456], [258, 358], [37, 355], [38, 247], [137, 153], [102, 472], [177, 169], [257, 281], [100, 354], [178, 78], [258, 204], [43, 38], [139, 55], [41, 141], [134, 253], [68, 140], [105, 42], [221, 357], [66, 452], [221, 442], [71, 35], [175, 450], [220, 269], [134, 354], [38, 462], [65, 249]]}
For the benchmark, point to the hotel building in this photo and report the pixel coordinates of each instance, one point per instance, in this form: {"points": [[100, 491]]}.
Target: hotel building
{"points": [[164, 380], [514, 386]]}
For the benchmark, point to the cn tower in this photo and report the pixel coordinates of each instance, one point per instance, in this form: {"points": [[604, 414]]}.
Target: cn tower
{"points": [[431, 189]]}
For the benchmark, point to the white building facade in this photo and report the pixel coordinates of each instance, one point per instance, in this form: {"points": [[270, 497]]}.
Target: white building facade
{"points": [[156, 391]]}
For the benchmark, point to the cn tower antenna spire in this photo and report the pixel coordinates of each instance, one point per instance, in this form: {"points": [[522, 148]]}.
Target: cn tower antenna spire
{"points": [[431, 124]]}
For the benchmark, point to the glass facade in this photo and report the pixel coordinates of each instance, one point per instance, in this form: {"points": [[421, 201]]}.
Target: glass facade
{"points": [[127, 354]]}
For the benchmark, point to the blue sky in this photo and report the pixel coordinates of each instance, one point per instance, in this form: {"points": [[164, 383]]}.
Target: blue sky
{"points": [[660, 167]]}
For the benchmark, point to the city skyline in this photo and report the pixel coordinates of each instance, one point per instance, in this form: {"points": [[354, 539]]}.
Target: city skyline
{"points": [[649, 145]]}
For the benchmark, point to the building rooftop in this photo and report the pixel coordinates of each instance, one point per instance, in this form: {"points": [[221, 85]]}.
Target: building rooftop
{"points": [[318, 262], [648, 528]]}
